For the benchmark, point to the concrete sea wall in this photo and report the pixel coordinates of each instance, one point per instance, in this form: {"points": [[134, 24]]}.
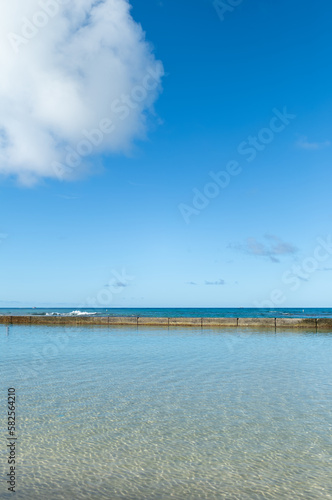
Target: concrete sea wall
{"points": [[274, 323]]}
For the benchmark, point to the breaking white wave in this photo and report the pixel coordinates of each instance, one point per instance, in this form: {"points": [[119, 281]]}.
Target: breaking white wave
{"points": [[73, 313], [81, 313]]}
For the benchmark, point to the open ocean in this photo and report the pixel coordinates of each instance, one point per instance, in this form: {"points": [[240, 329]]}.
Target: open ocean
{"points": [[175, 312]]}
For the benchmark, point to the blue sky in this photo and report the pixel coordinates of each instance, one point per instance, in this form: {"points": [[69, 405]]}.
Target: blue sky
{"points": [[118, 237]]}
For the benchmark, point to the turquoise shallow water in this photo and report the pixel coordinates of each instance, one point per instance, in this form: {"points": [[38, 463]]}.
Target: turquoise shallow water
{"points": [[158, 414]]}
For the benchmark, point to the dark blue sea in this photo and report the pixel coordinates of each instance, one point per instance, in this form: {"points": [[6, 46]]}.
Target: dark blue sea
{"points": [[175, 312]]}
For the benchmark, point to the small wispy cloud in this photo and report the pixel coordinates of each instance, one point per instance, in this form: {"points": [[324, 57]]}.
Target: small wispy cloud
{"points": [[137, 184], [10, 303], [67, 197], [304, 143], [218, 282], [120, 284], [117, 284], [272, 249]]}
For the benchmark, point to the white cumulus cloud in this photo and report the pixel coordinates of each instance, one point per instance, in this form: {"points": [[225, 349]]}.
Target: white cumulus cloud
{"points": [[77, 79]]}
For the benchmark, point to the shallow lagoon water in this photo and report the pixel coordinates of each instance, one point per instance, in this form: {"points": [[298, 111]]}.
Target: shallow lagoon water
{"points": [[127, 413]]}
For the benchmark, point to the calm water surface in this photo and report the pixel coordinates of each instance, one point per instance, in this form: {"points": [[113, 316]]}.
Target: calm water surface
{"points": [[159, 414]]}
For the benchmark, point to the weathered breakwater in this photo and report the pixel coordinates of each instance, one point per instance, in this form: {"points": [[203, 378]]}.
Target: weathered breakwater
{"points": [[271, 323]]}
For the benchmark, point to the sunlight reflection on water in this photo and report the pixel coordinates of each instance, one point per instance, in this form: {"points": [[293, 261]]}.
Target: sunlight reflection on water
{"points": [[179, 413]]}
